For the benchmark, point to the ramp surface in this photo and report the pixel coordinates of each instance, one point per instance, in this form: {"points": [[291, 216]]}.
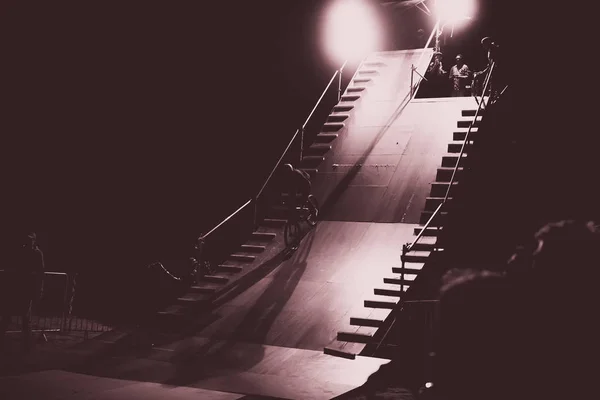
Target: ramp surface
{"points": [[386, 155]]}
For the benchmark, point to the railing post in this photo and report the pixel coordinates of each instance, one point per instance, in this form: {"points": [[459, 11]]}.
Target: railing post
{"points": [[339, 97], [72, 299], [402, 268], [65, 303], [301, 143], [412, 73]]}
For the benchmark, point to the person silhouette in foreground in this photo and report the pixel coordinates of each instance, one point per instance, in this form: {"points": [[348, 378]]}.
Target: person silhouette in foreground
{"points": [[492, 50], [22, 284], [298, 185], [556, 280], [475, 350]]}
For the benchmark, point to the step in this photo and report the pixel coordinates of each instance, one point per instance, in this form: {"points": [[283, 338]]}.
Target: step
{"points": [[397, 280], [342, 107], [439, 219], [337, 117], [274, 222], [243, 257], [325, 137], [461, 135], [471, 113], [355, 89], [318, 149], [368, 71], [454, 148], [253, 248], [430, 231], [431, 203], [312, 161], [203, 289], [417, 256], [372, 322], [332, 351], [444, 174], [215, 279], [355, 337], [390, 292], [230, 268], [332, 126], [449, 160], [189, 300], [426, 243], [410, 267], [467, 123], [266, 236], [350, 97], [439, 189], [373, 64], [362, 79], [381, 302]]}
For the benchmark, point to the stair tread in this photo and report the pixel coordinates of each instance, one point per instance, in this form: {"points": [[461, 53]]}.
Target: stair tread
{"points": [[242, 255], [342, 107], [389, 286], [203, 288], [320, 146], [313, 157], [398, 277], [254, 246], [453, 155], [215, 276], [428, 240], [450, 168], [368, 312], [191, 299], [337, 350]]}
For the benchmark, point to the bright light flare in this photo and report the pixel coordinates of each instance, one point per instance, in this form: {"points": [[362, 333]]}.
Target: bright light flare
{"points": [[455, 11], [352, 30]]}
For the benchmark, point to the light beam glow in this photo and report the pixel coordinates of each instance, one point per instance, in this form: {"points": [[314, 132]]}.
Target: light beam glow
{"points": [[454, 11], [352, 30]]}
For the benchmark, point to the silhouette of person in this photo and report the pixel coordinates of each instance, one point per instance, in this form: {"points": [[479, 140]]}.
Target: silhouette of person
{"points": [[460, 75], [23, 284], [491, 49], [436, 75], [299, 188]]}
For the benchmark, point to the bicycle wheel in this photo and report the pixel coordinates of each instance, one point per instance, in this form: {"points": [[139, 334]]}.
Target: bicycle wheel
{"points": [[291, 233], [314, 213]]}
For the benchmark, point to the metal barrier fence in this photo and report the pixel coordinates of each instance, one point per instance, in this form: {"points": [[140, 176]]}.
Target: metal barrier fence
{"points": [[53, 311]]}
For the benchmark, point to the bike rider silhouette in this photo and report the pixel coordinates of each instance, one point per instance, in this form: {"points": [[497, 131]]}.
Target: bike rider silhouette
{"points": [[299, 187]]}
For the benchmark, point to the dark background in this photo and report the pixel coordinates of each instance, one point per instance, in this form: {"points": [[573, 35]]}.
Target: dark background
{"points": [[131, 127]]}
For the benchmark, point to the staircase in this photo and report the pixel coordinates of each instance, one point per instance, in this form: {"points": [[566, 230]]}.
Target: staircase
{"points": [[270, 232], [364, 327], [314, 155], [237, 265]]}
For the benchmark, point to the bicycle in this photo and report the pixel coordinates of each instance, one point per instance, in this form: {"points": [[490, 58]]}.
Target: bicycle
{"points": [[292, 232]]}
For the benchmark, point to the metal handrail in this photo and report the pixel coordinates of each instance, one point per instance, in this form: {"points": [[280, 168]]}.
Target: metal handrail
{"points": [[337, 73], [203, 237], [65, 295], [462, 149]]}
